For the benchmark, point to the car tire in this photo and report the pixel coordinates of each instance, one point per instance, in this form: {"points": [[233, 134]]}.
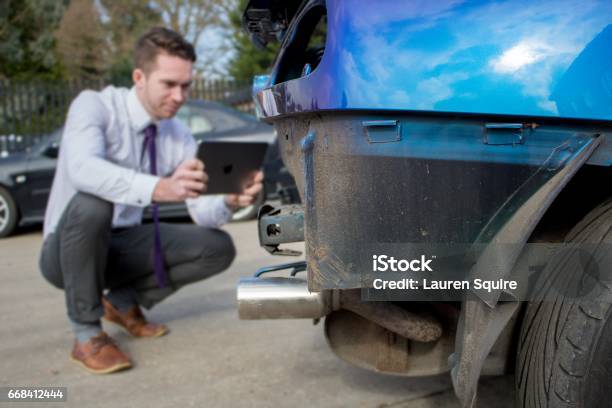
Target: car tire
{"points": [[565, 344], [8, 213], [249, 212]]}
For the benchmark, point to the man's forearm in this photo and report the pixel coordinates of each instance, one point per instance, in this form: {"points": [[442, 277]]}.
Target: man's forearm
{"points": [[112, 182]]}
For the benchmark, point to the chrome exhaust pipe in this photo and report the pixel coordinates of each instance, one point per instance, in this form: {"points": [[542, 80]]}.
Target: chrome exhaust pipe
{"points": [[280, 298]]}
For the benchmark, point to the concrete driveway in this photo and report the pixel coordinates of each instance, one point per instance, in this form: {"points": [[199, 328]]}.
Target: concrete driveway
{"points": [[210, 358]]}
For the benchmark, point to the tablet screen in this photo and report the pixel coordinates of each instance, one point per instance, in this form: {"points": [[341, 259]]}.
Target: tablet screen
{"points": [[230, 165]]}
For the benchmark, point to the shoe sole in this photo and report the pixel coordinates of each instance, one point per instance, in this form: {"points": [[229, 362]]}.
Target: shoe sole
{"points": [[115, 368], [162, 332]]}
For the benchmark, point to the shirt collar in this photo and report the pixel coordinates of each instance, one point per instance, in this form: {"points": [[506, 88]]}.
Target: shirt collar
{"points": [[139, 118]]}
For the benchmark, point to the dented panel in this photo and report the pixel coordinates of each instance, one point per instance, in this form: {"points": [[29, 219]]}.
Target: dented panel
{"points": [[540, 58], [438, 183]]}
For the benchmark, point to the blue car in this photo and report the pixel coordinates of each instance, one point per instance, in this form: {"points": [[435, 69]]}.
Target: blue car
{"points": [[454, 163]]}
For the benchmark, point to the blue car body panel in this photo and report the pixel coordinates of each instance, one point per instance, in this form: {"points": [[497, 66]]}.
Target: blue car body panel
{"points": [[529, 58]]}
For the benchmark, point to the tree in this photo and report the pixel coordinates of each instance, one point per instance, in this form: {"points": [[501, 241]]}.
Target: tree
{"points": [[125, 22], [26, 38], [94, 38], [248, 60], [192, 19], [81, 41]]}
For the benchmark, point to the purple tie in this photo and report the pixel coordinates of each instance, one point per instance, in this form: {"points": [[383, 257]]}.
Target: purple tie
{"points": [[158, 257]]}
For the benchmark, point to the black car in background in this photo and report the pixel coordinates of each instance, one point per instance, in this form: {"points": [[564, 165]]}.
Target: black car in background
{"points": [[26, 177]]}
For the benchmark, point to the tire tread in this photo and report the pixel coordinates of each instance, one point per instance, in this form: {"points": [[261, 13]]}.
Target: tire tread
{"points": [[558, 336]]}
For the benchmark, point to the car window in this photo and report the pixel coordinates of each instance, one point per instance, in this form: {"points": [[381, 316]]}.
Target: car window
{"points": [[53, 138], [199, 124], [225, 121], [195, 120]]}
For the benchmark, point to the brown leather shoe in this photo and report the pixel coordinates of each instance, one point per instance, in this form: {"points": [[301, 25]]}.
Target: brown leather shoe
{"points": [[133, 321], [100, 355]]}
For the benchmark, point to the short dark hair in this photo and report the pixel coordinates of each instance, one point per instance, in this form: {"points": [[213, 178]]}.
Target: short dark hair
{"points": [[160, 40]]}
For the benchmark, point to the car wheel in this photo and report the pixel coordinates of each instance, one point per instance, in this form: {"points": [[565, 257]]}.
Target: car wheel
{"points": [[565, 345], [249, 212], [8, 213]]}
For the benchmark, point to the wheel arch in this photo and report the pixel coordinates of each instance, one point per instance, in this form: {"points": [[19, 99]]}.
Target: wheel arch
{"points": [[489, 319]]}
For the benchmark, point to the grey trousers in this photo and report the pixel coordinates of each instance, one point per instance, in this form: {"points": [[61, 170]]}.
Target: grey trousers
{"points": [[85, 255]]}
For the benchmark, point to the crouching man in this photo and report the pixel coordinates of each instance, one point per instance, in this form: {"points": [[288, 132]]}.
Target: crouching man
{"points": [[122, 150]]}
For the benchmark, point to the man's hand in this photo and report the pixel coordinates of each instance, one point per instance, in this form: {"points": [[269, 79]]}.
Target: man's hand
{"points": [[248, 195], [188, 181]]}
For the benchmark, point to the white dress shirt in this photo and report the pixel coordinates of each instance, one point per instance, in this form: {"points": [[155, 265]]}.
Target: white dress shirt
{"points": [[101, 152]]}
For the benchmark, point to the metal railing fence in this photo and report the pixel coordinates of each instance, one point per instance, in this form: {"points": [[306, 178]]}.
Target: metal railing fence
{"points": [[30, 110]]}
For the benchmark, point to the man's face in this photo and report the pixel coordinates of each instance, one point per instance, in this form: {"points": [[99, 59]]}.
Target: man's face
{"points": [[165, 88]]}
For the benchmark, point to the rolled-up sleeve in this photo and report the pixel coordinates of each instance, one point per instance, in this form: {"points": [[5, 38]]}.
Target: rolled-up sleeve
{"points": [[85, 144], [206, 210]]}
